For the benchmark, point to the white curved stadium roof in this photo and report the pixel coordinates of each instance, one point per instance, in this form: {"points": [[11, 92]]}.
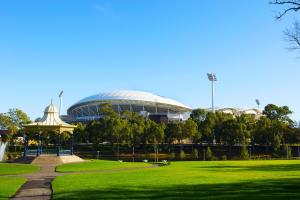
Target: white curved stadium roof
{"points": [[131, 95]]}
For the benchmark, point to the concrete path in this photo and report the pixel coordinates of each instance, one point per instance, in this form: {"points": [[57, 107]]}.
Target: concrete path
{"points": [[38, 185]]}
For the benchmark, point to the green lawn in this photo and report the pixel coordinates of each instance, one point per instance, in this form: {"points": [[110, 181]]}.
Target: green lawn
{"points": [[8, 168], [96, 165], [188, 180], [9, 185]]}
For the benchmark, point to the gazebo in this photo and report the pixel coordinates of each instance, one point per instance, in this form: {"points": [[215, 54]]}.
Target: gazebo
{"points": [[50, 122]]}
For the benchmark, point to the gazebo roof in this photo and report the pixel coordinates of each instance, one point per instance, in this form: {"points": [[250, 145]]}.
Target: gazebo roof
{"points": [[50, 122]]}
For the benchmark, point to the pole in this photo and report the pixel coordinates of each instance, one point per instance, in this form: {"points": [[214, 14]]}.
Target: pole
{"points": [[60, 104], [213, 95], [72, 144], [98, 152], [58, 145], [25, 145], [38, 153]]}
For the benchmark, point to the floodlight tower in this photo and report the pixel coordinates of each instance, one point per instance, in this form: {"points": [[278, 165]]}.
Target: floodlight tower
{"points": [[258, 103], [213, 78], [60, 102]]}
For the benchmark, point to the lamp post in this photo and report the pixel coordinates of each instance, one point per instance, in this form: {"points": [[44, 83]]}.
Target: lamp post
{"points": [[213, 78], [257, 103], [24, 140], [60, 101]]}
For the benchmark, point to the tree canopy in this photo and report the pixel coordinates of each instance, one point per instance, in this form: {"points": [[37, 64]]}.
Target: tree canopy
{"points": [[13, 120]]}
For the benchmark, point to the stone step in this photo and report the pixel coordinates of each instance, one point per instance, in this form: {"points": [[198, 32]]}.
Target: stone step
{"points": [[56, 160], [53, 160]]}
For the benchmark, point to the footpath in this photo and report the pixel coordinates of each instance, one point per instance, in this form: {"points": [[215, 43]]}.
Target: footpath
{"points": [[38, 185]]}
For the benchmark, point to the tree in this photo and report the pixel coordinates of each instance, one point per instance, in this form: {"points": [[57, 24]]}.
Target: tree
{"points": [[177, 132], [195, 154], [18, 117], [244, 152], [293, 34], [262, 134], [97, 132], [208, 154], [181, 154], [286, 151], [198, 115], [118, 129], [154, 134], [171, 128], [233, 133], [13, 120], [207, 127], [221, 118], [276, 145], [134, 129], [5, 122], [274, 112], [106, 111], [190, 130], [80, 133]]}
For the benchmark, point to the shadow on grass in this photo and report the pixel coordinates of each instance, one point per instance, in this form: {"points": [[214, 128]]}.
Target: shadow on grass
{"points": [[288, 167], [264, 189]]}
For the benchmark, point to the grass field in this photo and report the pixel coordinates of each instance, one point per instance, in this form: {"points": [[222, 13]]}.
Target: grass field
{"points": [[187, 180], [97, 165], [7, 168], [9, 185]]}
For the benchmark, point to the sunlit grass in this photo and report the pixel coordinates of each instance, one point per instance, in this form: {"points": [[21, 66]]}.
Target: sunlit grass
{"points": [[8, 168], [96, 165], [188, 180], [10, 185]]}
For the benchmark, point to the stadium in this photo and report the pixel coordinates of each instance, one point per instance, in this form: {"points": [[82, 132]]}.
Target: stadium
{"points": [[155, 107]]}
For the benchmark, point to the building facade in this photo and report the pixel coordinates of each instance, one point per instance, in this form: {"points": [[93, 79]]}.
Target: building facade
{"points": [[155, 107]]}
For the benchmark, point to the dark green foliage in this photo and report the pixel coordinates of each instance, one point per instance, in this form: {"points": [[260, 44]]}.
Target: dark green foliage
{"points": [[276, 144], [244, 152], [208, 154], [195, 154], [224, 157], [172, 156], [132, 130], [286, 152], [181, 155], [277, 113], [13, 120]]}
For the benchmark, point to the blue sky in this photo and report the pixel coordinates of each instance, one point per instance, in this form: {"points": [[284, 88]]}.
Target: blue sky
{"points": [[162, 46]]}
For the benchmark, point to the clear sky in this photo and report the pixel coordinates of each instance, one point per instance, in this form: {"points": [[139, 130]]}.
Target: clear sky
{"points": [[163, 46]]}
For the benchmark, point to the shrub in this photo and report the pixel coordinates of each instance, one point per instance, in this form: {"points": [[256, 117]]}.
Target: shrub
{"points": [[244, 153], [276, 144], [214, 158], [208, 154], [172, 156], [195, 154], [286, 152], [11, 156], [224, 157], [181, 155], [165, 162]]}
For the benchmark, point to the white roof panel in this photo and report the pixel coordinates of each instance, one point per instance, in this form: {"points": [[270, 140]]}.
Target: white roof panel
{"points": [[131, 95]]}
